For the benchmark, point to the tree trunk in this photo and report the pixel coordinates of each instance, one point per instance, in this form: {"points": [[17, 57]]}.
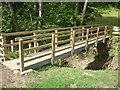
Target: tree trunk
{"points": [[14, 20], [38, 9], [76, 9], [83, 12]]}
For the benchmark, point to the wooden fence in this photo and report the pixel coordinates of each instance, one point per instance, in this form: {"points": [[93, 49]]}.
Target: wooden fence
{"points": [[30, 41]]}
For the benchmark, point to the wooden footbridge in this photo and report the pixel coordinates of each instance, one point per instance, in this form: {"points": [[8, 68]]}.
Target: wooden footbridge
{"points": [[25, 50]]}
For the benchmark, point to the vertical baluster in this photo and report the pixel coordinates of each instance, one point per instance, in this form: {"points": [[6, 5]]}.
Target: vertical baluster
{"points": [[53, 49]]}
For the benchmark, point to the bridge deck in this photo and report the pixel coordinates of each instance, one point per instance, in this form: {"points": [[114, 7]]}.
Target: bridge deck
{"points": [[14, 64]]}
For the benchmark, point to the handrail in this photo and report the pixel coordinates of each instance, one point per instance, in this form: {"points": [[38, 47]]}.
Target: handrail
{"points": [[38, 31]]}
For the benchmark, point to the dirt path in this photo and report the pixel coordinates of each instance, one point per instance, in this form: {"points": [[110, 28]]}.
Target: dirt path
{"points": [[10, 80]]}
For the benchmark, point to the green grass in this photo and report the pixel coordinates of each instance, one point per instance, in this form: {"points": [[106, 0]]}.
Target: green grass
{"points": [[110, 18], [64, 77]]}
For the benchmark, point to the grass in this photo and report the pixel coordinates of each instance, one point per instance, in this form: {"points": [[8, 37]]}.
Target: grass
{"points": [[108, 18], [64, 77]]}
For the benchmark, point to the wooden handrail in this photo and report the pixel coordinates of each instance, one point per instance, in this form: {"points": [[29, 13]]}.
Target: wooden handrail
{"points": [[38, 31]]}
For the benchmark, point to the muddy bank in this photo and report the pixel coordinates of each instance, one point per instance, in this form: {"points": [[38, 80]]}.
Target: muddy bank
{"points": [[96, 58]]}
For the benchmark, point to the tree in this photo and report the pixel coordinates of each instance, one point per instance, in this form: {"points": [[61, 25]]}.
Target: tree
{"points": [[14, 19], [83, 12]]}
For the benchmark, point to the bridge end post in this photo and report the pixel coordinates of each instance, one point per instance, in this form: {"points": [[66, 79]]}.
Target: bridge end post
{"points": [[4, 49], [21, 55]]}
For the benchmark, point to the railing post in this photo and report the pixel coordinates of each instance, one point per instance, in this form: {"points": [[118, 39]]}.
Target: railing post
{"points": [[91, 29], [12, 47], [21, 55], [71, 35], [3, 47], [35, 43], [53, 49], [87, 39], [72, 43], [97, 36], [56, 39], [105, 32], [111, 32], [82, 33]]}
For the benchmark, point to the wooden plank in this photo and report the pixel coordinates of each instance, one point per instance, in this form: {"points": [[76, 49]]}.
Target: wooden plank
{"points": [[73, 43], [21, 55], [31, 59], [37, 48], [12, 47], [31, 37], [53, 49], [63, 41]]}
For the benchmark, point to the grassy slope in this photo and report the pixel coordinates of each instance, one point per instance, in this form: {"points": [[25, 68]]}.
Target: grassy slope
{"points": [[110, 18], [64, 77]]}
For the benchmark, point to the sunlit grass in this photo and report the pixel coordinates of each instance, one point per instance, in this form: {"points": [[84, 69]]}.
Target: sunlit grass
{"points": [[108, 18], [64, 77]]}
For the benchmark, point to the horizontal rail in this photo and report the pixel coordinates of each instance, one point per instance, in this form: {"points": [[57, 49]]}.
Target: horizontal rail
{"points": [[38, 47], [13, 44], [1, 54], [38, 31], [63, 32], [30, 41], [80, 43], [62, 49], [63, 41], [63, 35], [12, 54], [1, 49], [31, 37], [80, 37], [36, 57], [0, 37]]}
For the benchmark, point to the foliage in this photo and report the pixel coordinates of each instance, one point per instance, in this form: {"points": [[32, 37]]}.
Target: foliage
{"points": [[54, 15]]}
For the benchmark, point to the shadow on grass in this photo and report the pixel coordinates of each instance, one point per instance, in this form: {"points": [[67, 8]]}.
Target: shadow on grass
{"points": [[49, 66]]}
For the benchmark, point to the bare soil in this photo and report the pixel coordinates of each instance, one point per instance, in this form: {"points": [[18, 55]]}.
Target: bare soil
{"points": [[96, 58], [10, 80]]}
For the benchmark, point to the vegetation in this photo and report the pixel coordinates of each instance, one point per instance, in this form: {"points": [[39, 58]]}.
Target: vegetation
{"points": [[64, 77], [39, 15]]}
